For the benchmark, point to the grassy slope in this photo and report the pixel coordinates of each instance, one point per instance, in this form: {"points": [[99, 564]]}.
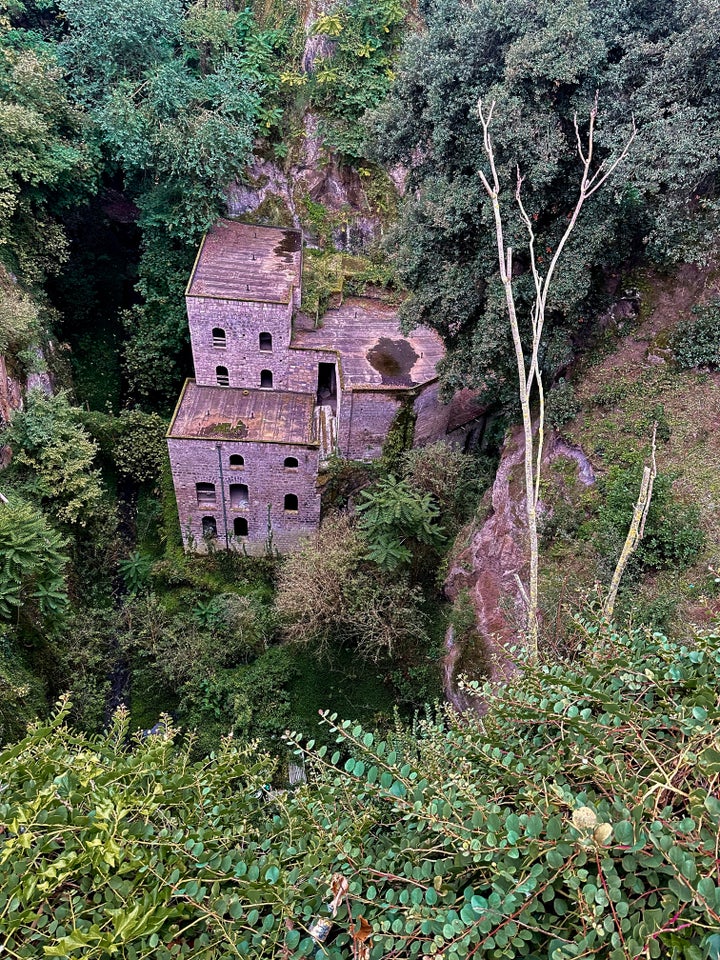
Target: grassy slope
{"points": [[622, 393]]}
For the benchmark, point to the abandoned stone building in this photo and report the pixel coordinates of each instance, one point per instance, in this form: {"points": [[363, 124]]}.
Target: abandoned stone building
{"points": [[275, 395]]}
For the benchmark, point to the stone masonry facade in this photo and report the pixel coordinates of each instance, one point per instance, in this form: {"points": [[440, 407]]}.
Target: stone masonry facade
{"points": [[274, 395], [267, 482]]}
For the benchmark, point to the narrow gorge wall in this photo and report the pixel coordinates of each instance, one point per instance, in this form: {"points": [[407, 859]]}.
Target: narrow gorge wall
{"points": [[495, 554]]}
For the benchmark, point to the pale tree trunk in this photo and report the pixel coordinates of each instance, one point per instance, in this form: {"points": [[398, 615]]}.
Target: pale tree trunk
{"points": [[636, 531], [529, 369]]}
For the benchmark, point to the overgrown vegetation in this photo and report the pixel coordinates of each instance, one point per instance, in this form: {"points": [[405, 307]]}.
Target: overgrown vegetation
{"points": [[569, 820], [541, 65], [580, 815], [697, 343]]}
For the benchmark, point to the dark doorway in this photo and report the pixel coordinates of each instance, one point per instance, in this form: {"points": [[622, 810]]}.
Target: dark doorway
{"points": [[209, 528], [238, 495], [240, 526], [327, 385]]}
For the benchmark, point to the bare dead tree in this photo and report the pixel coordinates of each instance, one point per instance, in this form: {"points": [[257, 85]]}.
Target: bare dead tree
{"points": [[528, 369], [636, 530]]}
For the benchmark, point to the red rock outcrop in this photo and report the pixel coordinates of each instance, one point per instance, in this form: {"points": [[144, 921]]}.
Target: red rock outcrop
{"points": [[495, 558]]}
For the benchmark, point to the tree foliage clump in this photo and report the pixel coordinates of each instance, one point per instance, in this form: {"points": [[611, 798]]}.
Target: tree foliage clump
{"points": [[579, 816], [48, 164], [54, 457], [176, 96], [329, 593], [697, 343], [32, 564], [400, 524], [542, 64]]}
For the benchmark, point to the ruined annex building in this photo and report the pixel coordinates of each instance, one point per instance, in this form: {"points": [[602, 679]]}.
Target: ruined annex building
{"points": [[275, 395]]}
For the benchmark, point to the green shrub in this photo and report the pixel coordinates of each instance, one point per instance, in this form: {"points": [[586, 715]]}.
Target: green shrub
{"points": [[32, 564], [673, 535], [135, 571], [252, 701], [579, 818], [54, 456], [561, 405], [696, 343], [612, 394], [400, 524], [140, 446], [85, 658]]}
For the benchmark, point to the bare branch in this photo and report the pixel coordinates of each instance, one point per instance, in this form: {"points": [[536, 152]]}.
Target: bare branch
{"points": [[530, 373], [595, 183], [636, 530], [523, 591], [581, 152]]}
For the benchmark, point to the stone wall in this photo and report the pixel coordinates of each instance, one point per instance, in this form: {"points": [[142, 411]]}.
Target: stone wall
{"points": [[432, 416], [367, 416], [267, 481], [303, 368], [242, 322]]}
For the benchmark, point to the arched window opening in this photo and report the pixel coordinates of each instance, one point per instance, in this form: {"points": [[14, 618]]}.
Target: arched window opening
{"points": [[223, 377], [240, 526], [209, 527], [205, 493], [291, 463], [266, 342], [236, 461], [266, 378], [238, 495], [219, 338], [291, 503]]}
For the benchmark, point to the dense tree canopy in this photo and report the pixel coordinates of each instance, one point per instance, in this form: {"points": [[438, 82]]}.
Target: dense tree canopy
{"points": [[47, 163], [542, 63]]}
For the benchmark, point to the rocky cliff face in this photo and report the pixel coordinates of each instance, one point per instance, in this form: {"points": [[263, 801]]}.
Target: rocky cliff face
{"points": [[276, 191], [489, 565], [279, 192]]}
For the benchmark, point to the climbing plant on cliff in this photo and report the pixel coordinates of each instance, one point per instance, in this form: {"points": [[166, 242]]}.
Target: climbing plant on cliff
{"points": [[357, 70], [579, 818]]}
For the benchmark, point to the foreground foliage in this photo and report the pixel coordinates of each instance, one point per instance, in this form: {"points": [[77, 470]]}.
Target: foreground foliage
{"points": [[579, 818]]}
